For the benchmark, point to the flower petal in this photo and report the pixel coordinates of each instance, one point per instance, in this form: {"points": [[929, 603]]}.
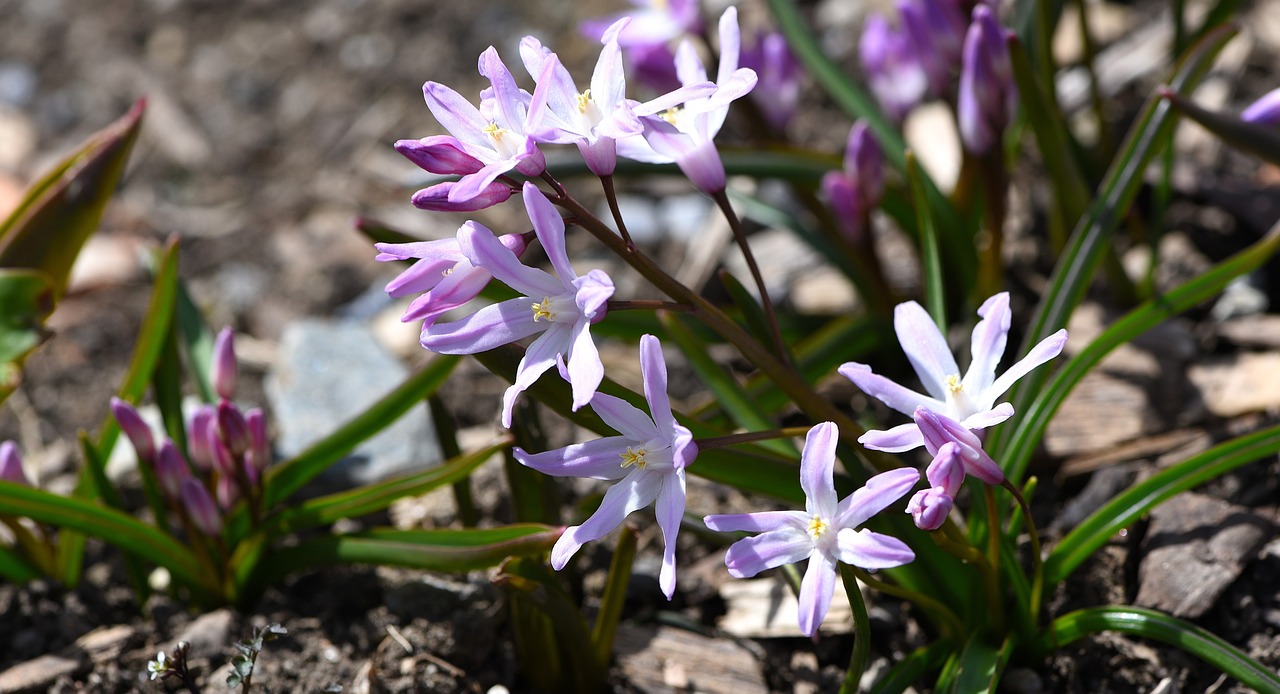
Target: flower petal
{"points": [[896, 396], [869, 550], [817, 469], [540, 356], [585, 368], [456, 114], [599, 459], [1048, 348], [988, 343], [483, 330], [749, 556], [758, 522], [634, 492], [875, 496], [899, 439], [653, 371], [669, 510], [989, 418], [926, 349], [486, 251], [623, 417], [816, 589]]}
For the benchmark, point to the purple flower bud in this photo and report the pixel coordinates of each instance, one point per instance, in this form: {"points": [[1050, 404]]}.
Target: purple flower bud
{"points": [[436, 198], [223, 461], [893, 71], [1264, 111], [930, 507], [205, 417], [778, 92], [170, 469], [233, 429], [199, 507], [11, 464], [228, 491], [439, 154], [946, 470], [855, 191], [936, 29], [259, 454], [988, 97], [224, 364], [137, 430], [938, 430]]}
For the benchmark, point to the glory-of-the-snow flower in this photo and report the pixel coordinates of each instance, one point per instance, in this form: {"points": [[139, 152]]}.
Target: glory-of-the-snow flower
{"points": [[561, 306], [970, 399], [826, 532], [647, 461], [443, 276]]}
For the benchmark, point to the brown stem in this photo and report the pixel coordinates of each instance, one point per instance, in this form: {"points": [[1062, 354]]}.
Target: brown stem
{"points": [[648, 305], [749, 437], [779, 347], [612, 197]]}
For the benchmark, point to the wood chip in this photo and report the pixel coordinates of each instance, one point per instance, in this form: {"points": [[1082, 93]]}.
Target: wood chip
{"points": [[665, 659]]}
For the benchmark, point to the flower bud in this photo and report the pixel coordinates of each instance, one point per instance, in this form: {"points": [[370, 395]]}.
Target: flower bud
{"points": [[946, 470], [233, 429], [11, 464], [778, 94], [439, 154], [224, 364], [223, 462], [136, 429], [259, 454], [436, 198], [988, 97], [893, 71], [930, 507], [228, 491], [1264, 111], [170, 469], [936, 29], [855, 191], [939, 430], [199, 507], [198, 437]]}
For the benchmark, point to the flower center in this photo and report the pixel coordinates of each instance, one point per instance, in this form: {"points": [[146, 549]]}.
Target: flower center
{"points": [[817, 526], [953, 385], [502, 144], [542, 310], [671, 115], [636, 457]]}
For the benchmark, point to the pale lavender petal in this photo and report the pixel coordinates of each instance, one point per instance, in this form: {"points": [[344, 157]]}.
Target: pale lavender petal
{"points": [[456, 114], [817, 470], [653, 372], [758, 522], [730, 89], [11, 464], [624, 417], [730, 45], [599, 459], [633, 492], [534, 55], [689, 67], [506, 94], [878, 494], [1048, 348], [1264, 111], [549, 227], [886, 391], [585, 369], [486, 251], [988, 418], [608, 82], [669, 510], [703, 167], [491, 326], [683, 447], [456, 289], [528, 159], [899, 439], [482, 182], [749, 556], [868, 550], [600, 156], [816, 589], [540, 356], [675, 98], [926, 349], [938, 430], [441, 249], [988, 342], [591, 294]]}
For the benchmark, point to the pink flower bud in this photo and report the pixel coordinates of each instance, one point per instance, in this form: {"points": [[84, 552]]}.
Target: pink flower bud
{"points": [[930, 507], [946, 470], [170, 469], [228, 491], [233, 429], [436, 198], [223, 462], [198, 437], [224, 364], [11, 464], [259, 454], [988, 97], [199, 507], [439, 154], [1264, 111], [136, 429]]}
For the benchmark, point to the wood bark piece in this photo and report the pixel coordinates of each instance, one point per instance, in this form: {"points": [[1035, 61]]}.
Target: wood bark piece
{"points": [[659, 659]]}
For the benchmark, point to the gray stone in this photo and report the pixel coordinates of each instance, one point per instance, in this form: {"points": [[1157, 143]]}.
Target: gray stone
{"points": [[209, 633], [666, 659], [327, 373], [39, 674], [1195, 548]]}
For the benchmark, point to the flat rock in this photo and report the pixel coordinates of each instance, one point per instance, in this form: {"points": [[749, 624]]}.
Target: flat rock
{"points": [[665, 659], [106, 643], [1195, 548], [766, 608], [1252, 331], [1239, 383], [39, 674], [328, 372], [209, 633]]}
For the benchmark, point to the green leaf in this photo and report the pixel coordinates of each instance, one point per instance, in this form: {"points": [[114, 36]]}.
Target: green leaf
{"points": [[60, 211], [197, 342], [553, 645], [1129, 506], [291, 475], [380, 232], [1076, 266], [26, 300], [1258, 140], [908, 670], [1034, 419], [1074, 626], [376, 497], [976, 668], [614, 597], [930, 258], [16, 568]]}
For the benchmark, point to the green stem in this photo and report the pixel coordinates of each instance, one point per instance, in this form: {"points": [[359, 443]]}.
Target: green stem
{"points": [[722, 199], [862, 632], [749, 437], [995, 186], [948, 622], [1037, 560], [993, 552]]}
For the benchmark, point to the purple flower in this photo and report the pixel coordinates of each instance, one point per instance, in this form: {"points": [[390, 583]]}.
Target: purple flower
{"points": [[443, 275], [893, 70], [258, 456], [170, 469], [223, 374], [938, 430], [437, 198], [969, 400], [685, 134], [495, 135], [1264, 111], [779, 75], [562, 307], [853, 192], [936, 29], [647, 460], [133, 426], [596, 118], [202, 419], [825, 532], [655, 22], [11, 464], [199, 507], [930, 507], [988, 98]]}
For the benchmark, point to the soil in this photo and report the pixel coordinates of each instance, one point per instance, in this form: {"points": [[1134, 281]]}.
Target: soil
{"points": [[268, 133]]}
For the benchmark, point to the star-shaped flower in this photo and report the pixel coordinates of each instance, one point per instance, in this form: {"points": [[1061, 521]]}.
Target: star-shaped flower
{"points": [[562, 307], [647, 460], [969, 400], [825, 532]]}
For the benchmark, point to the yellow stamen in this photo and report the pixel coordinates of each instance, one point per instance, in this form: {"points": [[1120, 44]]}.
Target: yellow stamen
{"points": [[634, 457], [494, 131], [584, 100], [817, 526], [542, 310], [670, 115], [953, 385]]}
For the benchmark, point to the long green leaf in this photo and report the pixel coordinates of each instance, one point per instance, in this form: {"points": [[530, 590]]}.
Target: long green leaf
{"points": [[15, 567], [1129, 506], [1074, 626], [26, 300], [930, 258], [977, 668], [1258, 140], [908, 670], [1076, 267], [291, 475], [376, 497], [1033, 421]]}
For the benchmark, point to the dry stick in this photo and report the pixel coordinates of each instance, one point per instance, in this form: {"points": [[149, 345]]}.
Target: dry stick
{"points": [[722, 199]]}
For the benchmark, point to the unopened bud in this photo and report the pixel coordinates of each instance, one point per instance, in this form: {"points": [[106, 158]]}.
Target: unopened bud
{"points": [[1264, 111], [228, 491], [988, 97], [439, 154], [224, 364], [170, 469], [205, 417], [233, 429], [259, 454], [199, 507], [133, 426], [930, 507], [11, 464], [436, 198]]}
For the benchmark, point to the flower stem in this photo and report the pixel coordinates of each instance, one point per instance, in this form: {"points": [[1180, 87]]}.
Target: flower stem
{"points": [[748, 437], [1037, 562], [993, 553], [862, 631], [948, 622], [612, 197], [722, 199], [648, 305]]}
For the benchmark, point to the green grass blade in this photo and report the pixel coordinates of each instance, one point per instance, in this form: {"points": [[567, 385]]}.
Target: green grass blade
{"points": [[1129, 506], [1032, 422], [1259, 140], [977, 668], [16, 568], [291, 475], [197, 343], [614, 597], [1138, 621], [904, 673], [930, 257]]}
